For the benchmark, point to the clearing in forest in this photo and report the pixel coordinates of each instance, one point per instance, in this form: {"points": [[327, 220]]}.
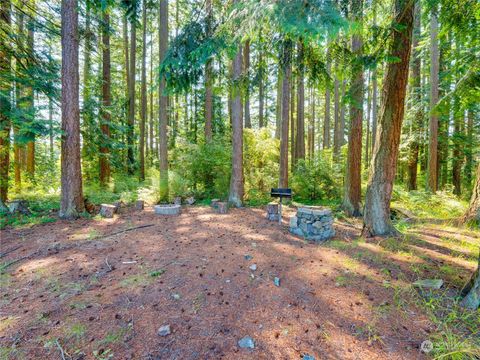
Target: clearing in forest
{"points": [[79, 293]]}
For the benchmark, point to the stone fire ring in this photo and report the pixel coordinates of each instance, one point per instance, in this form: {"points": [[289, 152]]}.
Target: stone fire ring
{"points": [[167, 209]]}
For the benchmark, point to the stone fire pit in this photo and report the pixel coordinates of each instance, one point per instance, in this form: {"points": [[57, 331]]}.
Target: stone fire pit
{"points": [[170, 209], [313, 223]]}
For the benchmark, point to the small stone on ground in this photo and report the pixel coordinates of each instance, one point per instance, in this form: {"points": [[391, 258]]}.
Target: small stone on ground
{"points": [[276, 281], [429, 283], [253, 267], [246, 343], [164, 330]]}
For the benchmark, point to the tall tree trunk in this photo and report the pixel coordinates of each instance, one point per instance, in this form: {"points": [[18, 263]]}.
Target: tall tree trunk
{"points": [[279, 112], [261, 85], [432, 183], [311, 126], [473, 213], [458, 138], [376, 219], [326, 122], [18, 146], [5, 106], [71, 204], [106, 101], [152, 81], [127, 78], [286, 70], [353, 183], [163, 104], [143, 111], [131, 98], [29, 96], [337, 141], [367, 118], [246, 70], [208, 81], [235, 196], [342, 114], [417, 92], [374, 106], [469, 148], [300, 134]]}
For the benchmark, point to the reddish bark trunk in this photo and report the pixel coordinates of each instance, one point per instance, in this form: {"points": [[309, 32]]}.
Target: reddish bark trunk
{"points": [[384, 158], [106, 100], [286, 75], [71, 204]]}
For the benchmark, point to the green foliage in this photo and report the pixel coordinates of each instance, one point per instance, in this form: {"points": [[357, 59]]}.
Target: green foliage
{"points": [[422, 204], [260, 160], [315, 179], [203, 168]]}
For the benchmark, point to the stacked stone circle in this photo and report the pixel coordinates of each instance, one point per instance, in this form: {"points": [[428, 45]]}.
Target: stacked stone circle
{"points": [[313, 223]]}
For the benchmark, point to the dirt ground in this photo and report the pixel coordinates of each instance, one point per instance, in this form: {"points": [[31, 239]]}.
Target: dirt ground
{"points": [[77, 292]]}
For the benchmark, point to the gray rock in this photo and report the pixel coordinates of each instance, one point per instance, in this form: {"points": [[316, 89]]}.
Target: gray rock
{"points": [[246, 343], [190, 200], [178, 200], [164, 330], [276, 281], [248, 257], [308, 357], [253, 267], [293, 222], [429, 283]]}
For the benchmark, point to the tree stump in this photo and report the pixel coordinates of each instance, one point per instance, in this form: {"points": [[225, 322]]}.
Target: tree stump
{"points": [[272, 212], [221, 207], [118, 205], [214, 203], [171, 209], [19, 206], [107, 210], [139, 205], [190, 200]]}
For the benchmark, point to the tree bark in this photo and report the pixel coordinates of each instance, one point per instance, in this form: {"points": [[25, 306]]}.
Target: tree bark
{"points": [[106, 102], [71, 204], [152, 81], [246, 70], [469, 148], [143, 111], [353, 190], [5, 106], [337, 141], [385, 153], [432, 183], [279, 112], [163, 104], [285, 62], [235, 196], [417, 91], [127, 79], [472, 298], [29, 92], [300, 134], [208, 81], [131, 97], [326, 123], [261, 85], [292, 120], [311, 126]]}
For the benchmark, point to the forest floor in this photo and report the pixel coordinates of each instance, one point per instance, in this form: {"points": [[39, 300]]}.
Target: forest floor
{"points": [[101, 289]]}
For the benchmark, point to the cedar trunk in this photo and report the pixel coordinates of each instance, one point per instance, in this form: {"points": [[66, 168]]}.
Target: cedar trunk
{"points": [[286, 75], [326, 123], [208, 81], [163, 105], [246, 70], [71, 204], [235, 196], [300, 133], [107, 102], [417, 92], [143, 110], [5, 106], [131, 97], [432, 183], [353, 191], [385, 153]]}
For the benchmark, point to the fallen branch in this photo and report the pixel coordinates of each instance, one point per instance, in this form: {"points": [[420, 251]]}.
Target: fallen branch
{"points": [[110, 268], [9, 251]]}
